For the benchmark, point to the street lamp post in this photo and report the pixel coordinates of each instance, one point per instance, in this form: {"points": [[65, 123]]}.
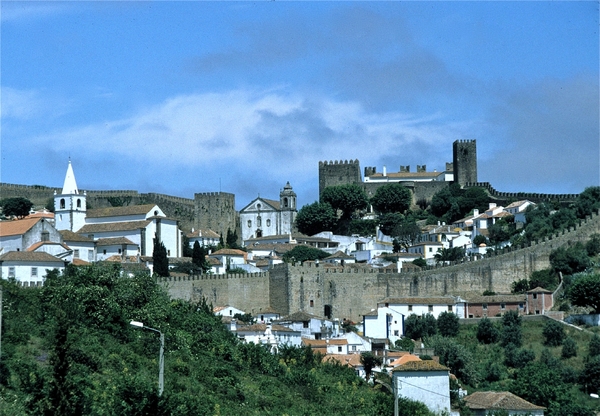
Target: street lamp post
{"points": [[161, 357]]}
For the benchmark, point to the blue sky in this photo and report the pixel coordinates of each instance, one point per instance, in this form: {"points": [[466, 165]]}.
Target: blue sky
{"points": [[186, 97]]}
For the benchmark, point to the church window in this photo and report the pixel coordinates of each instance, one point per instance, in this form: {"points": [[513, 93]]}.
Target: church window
{"points": [[78, 203], [268, 223], [62, 203], [11, 272], [258, 206], [259, 221], [285, 202], [156, 213], [249, 223]]}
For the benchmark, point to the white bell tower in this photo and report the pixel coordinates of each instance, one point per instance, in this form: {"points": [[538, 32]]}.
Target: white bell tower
{"points": [[69, 205]]}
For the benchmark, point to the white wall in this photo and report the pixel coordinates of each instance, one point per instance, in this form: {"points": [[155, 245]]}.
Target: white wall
{"points": [[429, 387]]}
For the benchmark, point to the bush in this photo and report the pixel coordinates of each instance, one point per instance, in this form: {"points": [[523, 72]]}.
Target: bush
{"points": [[570, 260], [405, 344], [594, 346], [511, 329], [554, 333], [569, 348], [447, 324], [517, 357], [487, 333]]}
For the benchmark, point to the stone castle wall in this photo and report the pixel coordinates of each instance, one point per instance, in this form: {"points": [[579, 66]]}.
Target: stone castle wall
{"points": [[335, 173], [216, 211], [505, 197], [351, 292]]}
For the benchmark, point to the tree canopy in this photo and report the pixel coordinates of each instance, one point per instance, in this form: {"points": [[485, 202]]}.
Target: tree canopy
{"points": [[160, 260], [18, 207], [391, 198], [316, 217], [346, 198], [303, 252], [585, 292]]}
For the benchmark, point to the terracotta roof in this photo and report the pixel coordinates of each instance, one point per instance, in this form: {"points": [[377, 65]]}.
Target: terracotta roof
{"points": [[498, 400], [37, 245], [439, 300], [339, 255], [539, 289], [41, 214], [113, 226], [29, 256], [71, 236], [79, 262], [229, 252], [280, 248], [114, 241], [17, 227], [425, 365], [323, 343], [213, 262], [404, 359], [120, 211], [497, 299], [203, 233], [352, 360]]}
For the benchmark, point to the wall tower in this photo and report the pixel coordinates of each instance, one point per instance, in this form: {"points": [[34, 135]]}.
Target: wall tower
{"points": [[464, 154], [339, 173], [215, 211]]}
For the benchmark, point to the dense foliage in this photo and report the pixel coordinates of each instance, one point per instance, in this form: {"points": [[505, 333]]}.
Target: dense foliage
{"points": [[346, 198], [391, 198], [160, 260], [18, 207], [302, 253], [68, 349], [316, 217]]}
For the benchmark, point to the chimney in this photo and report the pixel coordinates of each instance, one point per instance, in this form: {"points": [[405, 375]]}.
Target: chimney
{"points": [[384, 171]]}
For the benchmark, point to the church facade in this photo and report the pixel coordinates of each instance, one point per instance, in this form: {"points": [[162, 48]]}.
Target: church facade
{"points": [[266, 217]]}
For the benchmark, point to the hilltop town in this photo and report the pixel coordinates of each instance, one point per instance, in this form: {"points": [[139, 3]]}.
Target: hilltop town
{"points": [[379, 249]]}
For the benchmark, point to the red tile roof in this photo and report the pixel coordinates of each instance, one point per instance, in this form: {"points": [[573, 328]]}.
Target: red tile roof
{"points": [[17, 227]]}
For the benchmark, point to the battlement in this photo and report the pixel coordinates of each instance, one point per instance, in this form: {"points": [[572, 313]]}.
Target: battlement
{"points": [[531, 196], [211, 194], [339, 162]]}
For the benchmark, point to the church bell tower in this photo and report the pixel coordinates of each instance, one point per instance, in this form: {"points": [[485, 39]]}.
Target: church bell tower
{"points": [[69, 205]]}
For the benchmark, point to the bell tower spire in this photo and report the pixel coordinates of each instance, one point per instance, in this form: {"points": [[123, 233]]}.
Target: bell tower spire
{"points": [[69, 205]]}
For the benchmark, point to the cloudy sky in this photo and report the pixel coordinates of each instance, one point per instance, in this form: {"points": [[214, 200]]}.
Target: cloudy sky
{"points": [[186, 97]]}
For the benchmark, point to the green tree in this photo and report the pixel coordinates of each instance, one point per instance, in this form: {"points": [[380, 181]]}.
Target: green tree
{"points": [[302, 253], [590, 377], [232, 239], [593, 245], [390, 222], [538, 384], [501, 231], [442, 201], [520, 286], [186, 251], [511, 329], [487, 332], [199, 257], [391, 198], [405, 344], [18, 207], [480, 239], [456, 357], [416, 327], [316, 217], [585, 292], [420, 262], [569, 348], [159, 259], [517, 357], [447, 324], [547, 279], [449, 254], [346, 198], [594, 346], [570, 260], [588, 202], [369, 362], [554, 333]]}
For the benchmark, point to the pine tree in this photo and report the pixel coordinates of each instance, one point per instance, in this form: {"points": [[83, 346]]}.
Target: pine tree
{"points": [[160, 260], [199, 257]]}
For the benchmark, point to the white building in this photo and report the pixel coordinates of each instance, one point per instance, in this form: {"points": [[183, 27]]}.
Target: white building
{"points": [[29, 268], [18, 235], [272, 335], [433, 305], [140, 224], [265, 217], [311, 326], [518, 209], [424, 381], [228, 258], [206, 238], [384, 323]]}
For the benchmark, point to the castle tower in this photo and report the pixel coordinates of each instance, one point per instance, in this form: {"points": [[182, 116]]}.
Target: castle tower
{"points": [[216, 211], [464, 161], [339, 173], [288, 210], [69, 206]]}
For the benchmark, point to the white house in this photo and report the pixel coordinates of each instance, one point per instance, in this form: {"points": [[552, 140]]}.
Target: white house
{"points": [[518, 209], [84, 248], [116, 246], [384, 323], [265, 217], [339, 258], [427, 249], [206, 238], [18, 235], [433, 305], [267, 334], [228, 258], [311, 326], [267, 315], [424, 381], [29, 268], [227, 311]]}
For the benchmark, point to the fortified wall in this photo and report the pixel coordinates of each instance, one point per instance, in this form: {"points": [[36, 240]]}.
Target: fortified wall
{"points": [[349, 292]]}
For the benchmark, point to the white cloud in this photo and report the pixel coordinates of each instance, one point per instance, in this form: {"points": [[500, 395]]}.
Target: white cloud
{"points": [[272, 131]]}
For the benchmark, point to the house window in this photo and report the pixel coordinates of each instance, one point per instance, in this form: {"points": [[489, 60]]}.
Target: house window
{"points": [[409, 308], [62, 203], [396, 333], [520, 306], [449, 308], [305, 324], [470, 315], [339, 349], [76, 253], [34, 272], [535, 295], [312, 303], [354, 348], [90, 255], [259, 221], [268, 223], [430, 308], [78, 203], [119, 251], [249, 223], [430, 249], [11, 272], [503, 306], [484, 307], [104, 251], [169, 253], [45, 236]]}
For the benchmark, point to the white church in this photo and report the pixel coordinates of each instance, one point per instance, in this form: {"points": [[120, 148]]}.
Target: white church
{"points": [[266, 217], [124, 231]]}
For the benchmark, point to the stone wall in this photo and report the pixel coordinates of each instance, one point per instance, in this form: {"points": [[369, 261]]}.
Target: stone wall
{"points": [[336, 173], [216, 211], [351, 292]]}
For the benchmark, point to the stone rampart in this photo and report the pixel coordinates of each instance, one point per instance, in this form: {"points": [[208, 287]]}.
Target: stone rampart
{"points": [[517, 196]]}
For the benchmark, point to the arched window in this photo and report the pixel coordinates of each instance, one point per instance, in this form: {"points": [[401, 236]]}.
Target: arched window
{"points": [[285, 202], [268, 222], [249, 223], [78, 203], [62, 203], [259, 221]]}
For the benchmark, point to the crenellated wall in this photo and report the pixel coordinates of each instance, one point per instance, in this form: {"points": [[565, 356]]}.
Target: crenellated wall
{"points": [[351, 292]]}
